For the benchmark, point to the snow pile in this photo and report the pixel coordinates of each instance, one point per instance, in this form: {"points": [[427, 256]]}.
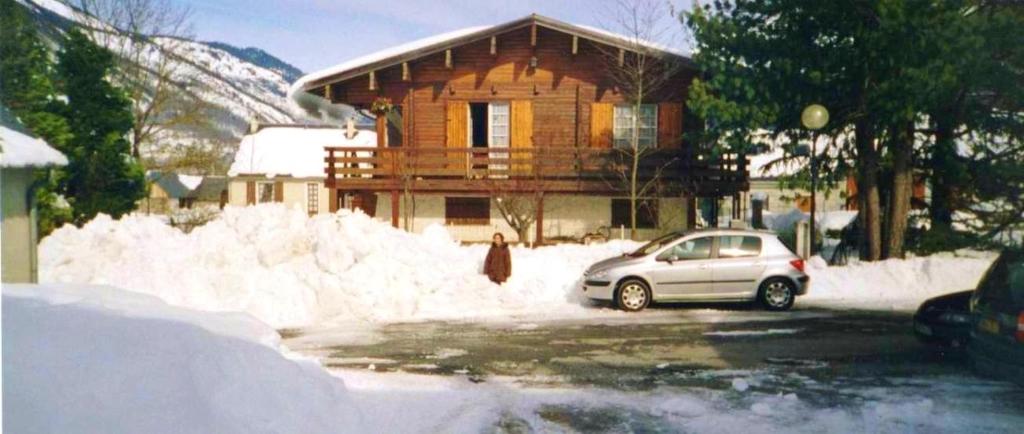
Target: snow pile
{"points": [[289, 269], [894, 284], [82, 359], [21, 150], [826, 221], [296, 151]]}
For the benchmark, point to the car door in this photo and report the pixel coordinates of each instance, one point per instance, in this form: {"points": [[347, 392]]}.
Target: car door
{"points": [[684, 270], [738, 265]]}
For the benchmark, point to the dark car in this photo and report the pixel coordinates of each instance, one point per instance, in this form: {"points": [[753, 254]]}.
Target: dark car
{"points": [[945, 320], [997, 336]]}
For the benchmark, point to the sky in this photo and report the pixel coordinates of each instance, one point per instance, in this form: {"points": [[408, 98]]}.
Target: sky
{"points": [[315, 34]]}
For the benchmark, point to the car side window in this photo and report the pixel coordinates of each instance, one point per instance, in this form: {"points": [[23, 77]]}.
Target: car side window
{"points": [[738, 246], [697, 248], [1005, 281]]}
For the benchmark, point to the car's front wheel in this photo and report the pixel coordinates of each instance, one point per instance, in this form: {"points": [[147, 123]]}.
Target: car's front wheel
{"points": [[633, 295], [777, 293]]}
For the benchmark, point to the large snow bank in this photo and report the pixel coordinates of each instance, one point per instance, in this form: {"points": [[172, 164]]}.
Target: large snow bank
{"points": [[894, 284], [21, 150], [296, 151], [80, 359], [289, 269]]}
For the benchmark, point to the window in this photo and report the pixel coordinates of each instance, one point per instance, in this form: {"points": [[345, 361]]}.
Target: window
{"points": [[499, 122], [1004, 281], [464, 211], [646, 213], [395, 126], [264, 192], [312, 198], [698, 248], [648, 124], [736, 246]]}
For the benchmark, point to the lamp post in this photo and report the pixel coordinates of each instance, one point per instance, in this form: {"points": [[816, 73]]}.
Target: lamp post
{"points": [[814, 117]]}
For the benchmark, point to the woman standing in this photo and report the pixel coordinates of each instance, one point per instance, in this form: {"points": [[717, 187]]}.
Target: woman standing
{"points": [[498, 265]]}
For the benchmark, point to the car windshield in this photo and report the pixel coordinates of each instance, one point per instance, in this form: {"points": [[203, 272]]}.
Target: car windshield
{"points": [[656, 244]]}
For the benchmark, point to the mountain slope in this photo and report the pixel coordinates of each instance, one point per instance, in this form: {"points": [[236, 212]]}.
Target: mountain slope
{"points": [[239, 85]]}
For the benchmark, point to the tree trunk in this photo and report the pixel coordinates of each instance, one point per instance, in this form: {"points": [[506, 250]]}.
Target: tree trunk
{"points": [[867, 192], [902, 149], [945, 171]]}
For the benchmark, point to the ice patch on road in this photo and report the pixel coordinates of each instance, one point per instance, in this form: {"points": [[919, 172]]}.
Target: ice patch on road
{"points": [[447, 353], [744, 333]]}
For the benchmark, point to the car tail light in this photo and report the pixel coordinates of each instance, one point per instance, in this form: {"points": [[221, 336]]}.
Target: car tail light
{"points": [[798, 264], [1020, 327]]}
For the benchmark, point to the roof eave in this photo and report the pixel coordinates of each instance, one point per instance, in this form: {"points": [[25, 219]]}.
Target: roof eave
{"points": [[475, 36]]}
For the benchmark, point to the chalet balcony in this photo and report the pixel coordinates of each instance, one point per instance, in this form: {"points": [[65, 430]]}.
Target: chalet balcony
{"points": [[562, 170]]}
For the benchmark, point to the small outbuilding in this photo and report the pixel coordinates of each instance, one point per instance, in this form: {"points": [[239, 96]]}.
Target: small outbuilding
{"points": [[21, 156]]}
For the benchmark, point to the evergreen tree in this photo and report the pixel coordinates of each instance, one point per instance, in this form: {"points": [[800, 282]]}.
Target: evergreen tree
{"points": [[102, 176], [27, 89]]}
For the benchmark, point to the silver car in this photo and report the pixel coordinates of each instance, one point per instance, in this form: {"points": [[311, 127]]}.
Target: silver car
{"points": [[704, 265]]}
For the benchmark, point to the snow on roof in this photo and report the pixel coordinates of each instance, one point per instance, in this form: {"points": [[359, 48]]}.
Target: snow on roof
{"points": [[296, 151], [384, 54], [456, 34], [18, 149], [775, 163]]}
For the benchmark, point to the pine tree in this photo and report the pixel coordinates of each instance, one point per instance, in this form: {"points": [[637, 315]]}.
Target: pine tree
{"points": [[27, 89], [102, 176]]}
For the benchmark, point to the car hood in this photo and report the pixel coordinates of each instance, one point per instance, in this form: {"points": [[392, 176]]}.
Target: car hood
{"points": [[613, 262], [957, 301]]}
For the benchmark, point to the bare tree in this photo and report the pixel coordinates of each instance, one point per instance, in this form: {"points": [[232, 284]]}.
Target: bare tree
{"points": [[639, 70], [147, 36]]}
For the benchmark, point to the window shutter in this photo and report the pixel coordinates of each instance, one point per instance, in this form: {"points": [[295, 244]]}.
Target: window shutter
{"points": [[250, 192], [457, 132], [670, 125], [601, 118], [522, 133], [278, 191]]}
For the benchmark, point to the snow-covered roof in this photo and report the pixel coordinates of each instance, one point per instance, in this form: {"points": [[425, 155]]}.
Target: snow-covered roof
{"points": [[775, 163], [18, 149], [429, 45], [296, 151]]}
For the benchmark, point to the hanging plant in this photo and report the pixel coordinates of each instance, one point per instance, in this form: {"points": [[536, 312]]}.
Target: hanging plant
{"points": [[382, 105]]}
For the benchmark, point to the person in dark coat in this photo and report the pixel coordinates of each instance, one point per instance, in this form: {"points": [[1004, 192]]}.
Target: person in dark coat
{"points": [[498, 265]]}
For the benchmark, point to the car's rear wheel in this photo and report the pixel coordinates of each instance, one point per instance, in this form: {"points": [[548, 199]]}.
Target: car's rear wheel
{"points": [[633, 295], [777, 294]]}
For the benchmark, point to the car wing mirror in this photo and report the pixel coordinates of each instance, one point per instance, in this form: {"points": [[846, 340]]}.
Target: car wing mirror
{"points": [[670, 259]]}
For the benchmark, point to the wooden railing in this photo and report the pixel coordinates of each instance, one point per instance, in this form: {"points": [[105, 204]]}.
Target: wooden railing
{"points": [[382, 168]]}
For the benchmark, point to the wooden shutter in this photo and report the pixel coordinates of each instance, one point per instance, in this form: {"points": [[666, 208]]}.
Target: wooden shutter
{"points": [[521, 135], [278, 191], [670, 125], [250, 192], [457, 132], [601, 124]]}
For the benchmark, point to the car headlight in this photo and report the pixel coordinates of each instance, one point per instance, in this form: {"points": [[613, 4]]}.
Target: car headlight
{"points": [[955, 317], [598, 275]]}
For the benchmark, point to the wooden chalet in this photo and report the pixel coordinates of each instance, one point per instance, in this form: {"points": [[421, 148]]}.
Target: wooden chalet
{"points": [[524, 106]]}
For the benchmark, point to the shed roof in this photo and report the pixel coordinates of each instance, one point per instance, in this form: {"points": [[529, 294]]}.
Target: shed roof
{"points": [[19, 149], [292, 150], [438, 43]]}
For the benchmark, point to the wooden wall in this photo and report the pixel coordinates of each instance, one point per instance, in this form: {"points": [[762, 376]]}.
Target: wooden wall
{"points": [[561, 88]]}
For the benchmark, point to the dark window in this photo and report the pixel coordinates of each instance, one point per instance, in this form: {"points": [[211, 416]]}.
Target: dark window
{"points": [[1004, 282], [478, 124], [395, 127], [698, 248], [467, 210], [737, 246], [646, 213]]}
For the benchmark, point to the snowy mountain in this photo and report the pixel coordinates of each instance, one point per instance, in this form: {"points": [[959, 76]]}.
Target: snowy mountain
{"points": [[239, 84]]}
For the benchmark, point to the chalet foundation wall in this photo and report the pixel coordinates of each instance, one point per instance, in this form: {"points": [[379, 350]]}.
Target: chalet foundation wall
{"points": [[565, 218]]}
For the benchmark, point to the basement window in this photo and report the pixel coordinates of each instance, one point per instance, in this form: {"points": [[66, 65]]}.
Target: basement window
{"points": [[646, 213], [467, 211], [264, 192]]}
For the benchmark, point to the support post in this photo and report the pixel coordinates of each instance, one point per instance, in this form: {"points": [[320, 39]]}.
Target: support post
{"points": [[394, 208], [691, 211], [333, 199], [539, 238]]}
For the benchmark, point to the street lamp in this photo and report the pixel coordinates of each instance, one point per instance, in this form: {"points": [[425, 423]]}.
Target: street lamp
{"points": [[814, 117]]}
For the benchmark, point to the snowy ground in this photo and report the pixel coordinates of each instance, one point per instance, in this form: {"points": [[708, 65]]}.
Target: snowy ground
{"points": [[424, 343], [292, 270], [115, 362]]}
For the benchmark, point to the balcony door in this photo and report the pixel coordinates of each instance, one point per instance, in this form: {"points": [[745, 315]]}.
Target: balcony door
{"points": [[489, 132]]}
